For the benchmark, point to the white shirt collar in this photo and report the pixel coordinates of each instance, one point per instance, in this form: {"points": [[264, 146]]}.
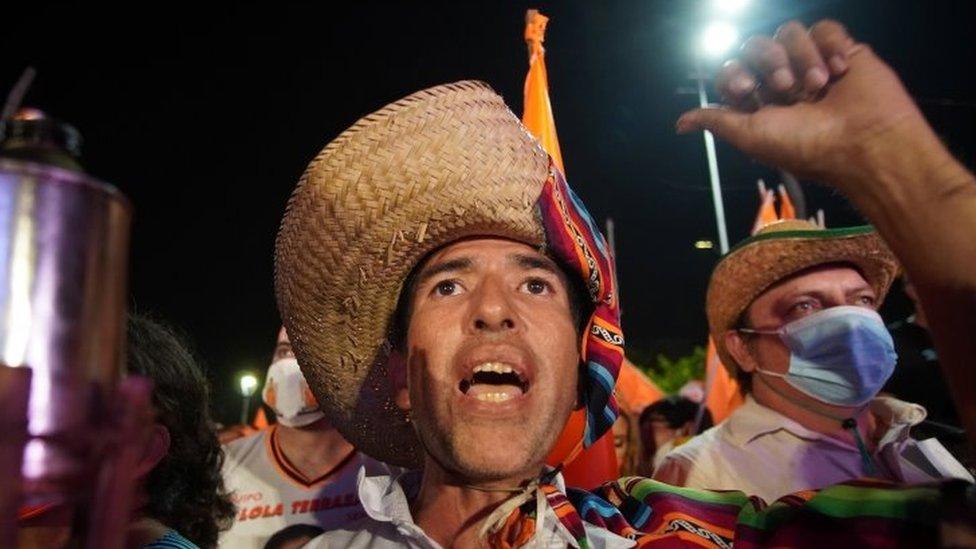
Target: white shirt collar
{"points": [[754, 420], [385, 499]]}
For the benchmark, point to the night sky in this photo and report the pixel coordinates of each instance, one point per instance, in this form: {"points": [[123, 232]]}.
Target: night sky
{"points": [[206, 116]]}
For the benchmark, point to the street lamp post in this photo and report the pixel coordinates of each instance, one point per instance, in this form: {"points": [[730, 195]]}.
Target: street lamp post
{"points": [[717, 39], [249, 384], [723, 236]]}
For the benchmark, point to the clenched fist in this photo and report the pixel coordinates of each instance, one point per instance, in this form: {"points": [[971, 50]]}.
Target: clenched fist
{"points": [[814, 102]]}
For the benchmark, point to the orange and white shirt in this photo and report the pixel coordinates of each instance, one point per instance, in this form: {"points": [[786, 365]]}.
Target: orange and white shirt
{"points": [[270, 494]]}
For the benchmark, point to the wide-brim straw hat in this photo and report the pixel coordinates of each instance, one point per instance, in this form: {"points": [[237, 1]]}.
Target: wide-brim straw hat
{"points": [[440, 165], [779, 250]]}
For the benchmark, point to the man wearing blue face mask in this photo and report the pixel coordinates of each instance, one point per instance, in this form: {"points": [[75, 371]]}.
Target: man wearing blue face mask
{"points": [[793, 312]]}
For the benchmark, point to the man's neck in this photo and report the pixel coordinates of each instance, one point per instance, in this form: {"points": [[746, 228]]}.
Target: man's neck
{"points": [[314, 449], [450, 510], [814, 415]]}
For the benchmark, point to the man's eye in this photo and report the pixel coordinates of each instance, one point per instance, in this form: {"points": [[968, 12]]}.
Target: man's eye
{"points": [[803, 307], [537, 286], [447, 287], [866, 300]]}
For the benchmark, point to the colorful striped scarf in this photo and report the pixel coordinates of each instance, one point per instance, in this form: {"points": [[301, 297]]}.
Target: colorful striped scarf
{"points": [[573, 238]]}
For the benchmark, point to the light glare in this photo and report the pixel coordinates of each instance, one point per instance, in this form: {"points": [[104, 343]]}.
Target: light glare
{"points": [[248, 384], [730, 6], [719, 38]]}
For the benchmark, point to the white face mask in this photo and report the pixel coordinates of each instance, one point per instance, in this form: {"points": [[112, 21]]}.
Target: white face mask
{"points": [[287, 393]]}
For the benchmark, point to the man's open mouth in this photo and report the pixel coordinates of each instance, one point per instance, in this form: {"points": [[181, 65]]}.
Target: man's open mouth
{"points": [[494, 382]]}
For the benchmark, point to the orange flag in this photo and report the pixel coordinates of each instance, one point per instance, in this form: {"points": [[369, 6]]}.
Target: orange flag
{"points": [[767, 210], [722, 394], [537, 111], [786, 209], [635, 391], [598, 463]]}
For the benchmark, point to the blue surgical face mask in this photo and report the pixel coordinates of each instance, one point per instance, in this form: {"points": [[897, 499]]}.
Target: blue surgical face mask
{"points": [[841, 355]]}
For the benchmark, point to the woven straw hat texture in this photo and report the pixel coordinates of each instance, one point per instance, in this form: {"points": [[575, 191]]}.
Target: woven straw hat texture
{"points": [[779, 250], [440, 165]]}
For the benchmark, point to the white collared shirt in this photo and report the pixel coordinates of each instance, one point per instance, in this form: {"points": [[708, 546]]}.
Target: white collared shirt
{"points": [[389, 523], [764, 453]]}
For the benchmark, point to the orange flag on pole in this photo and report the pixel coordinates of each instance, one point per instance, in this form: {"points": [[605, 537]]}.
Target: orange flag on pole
{"points": [[537, 110], [786, 209], [598, 463], [767, 209]]}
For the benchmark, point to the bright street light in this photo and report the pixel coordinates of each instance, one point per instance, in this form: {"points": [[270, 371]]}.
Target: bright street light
{"points": [[718, 38], [704, 244], [249, 385], [729, 6]]}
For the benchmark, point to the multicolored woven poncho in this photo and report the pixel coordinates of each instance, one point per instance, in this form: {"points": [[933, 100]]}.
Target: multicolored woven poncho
{"points": [[861, 513]]}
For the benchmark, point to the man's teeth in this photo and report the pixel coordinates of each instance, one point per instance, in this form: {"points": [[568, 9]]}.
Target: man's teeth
{"points": [[493, 397], [496, 367]]}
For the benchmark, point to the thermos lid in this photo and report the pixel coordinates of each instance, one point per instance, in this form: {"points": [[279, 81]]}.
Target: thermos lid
{"points": [[33, 136]]}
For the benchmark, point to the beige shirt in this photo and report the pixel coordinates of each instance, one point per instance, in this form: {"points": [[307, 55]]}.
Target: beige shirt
{"points": [[764, 453]]}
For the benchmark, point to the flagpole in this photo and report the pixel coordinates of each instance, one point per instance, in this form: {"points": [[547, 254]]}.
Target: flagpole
{"points": [[612, 243], [723, 237]]}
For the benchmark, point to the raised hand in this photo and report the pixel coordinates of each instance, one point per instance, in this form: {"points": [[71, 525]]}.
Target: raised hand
{"points": [[814, 102]]}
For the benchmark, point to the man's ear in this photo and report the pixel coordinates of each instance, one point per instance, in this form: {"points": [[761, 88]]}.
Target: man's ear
{"points": [[738, 347], [397, 368], [154, 450]]}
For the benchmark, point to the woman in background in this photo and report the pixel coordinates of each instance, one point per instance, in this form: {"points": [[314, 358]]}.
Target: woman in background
{"points": [[180, 501]]}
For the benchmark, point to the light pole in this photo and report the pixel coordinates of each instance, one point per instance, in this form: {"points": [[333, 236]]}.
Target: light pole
{"points": [[249, 384], [717, 39]]}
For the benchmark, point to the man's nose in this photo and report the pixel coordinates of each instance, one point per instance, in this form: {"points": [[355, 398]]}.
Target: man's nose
{"points": [[492, 309]]}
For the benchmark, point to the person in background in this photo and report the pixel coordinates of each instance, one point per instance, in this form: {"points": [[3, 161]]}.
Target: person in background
{"points": [[806, 343], [667, 424], [919, 378], [626, 444], [298, 471], [180, 501]]}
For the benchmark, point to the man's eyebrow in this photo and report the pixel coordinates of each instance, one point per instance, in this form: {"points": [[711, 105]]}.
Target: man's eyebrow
{"points": [[859, 289], [529, 262], [430, 271]]}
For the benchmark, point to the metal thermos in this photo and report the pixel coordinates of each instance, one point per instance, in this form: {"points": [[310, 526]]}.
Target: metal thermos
{"points": [[64, 240]]}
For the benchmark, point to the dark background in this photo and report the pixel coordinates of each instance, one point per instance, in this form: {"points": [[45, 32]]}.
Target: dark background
{"points": [[206, 115]]}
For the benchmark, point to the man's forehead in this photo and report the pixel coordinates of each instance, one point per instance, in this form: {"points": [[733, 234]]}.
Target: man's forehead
{"points": [[821, 278], [478, 248]]}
